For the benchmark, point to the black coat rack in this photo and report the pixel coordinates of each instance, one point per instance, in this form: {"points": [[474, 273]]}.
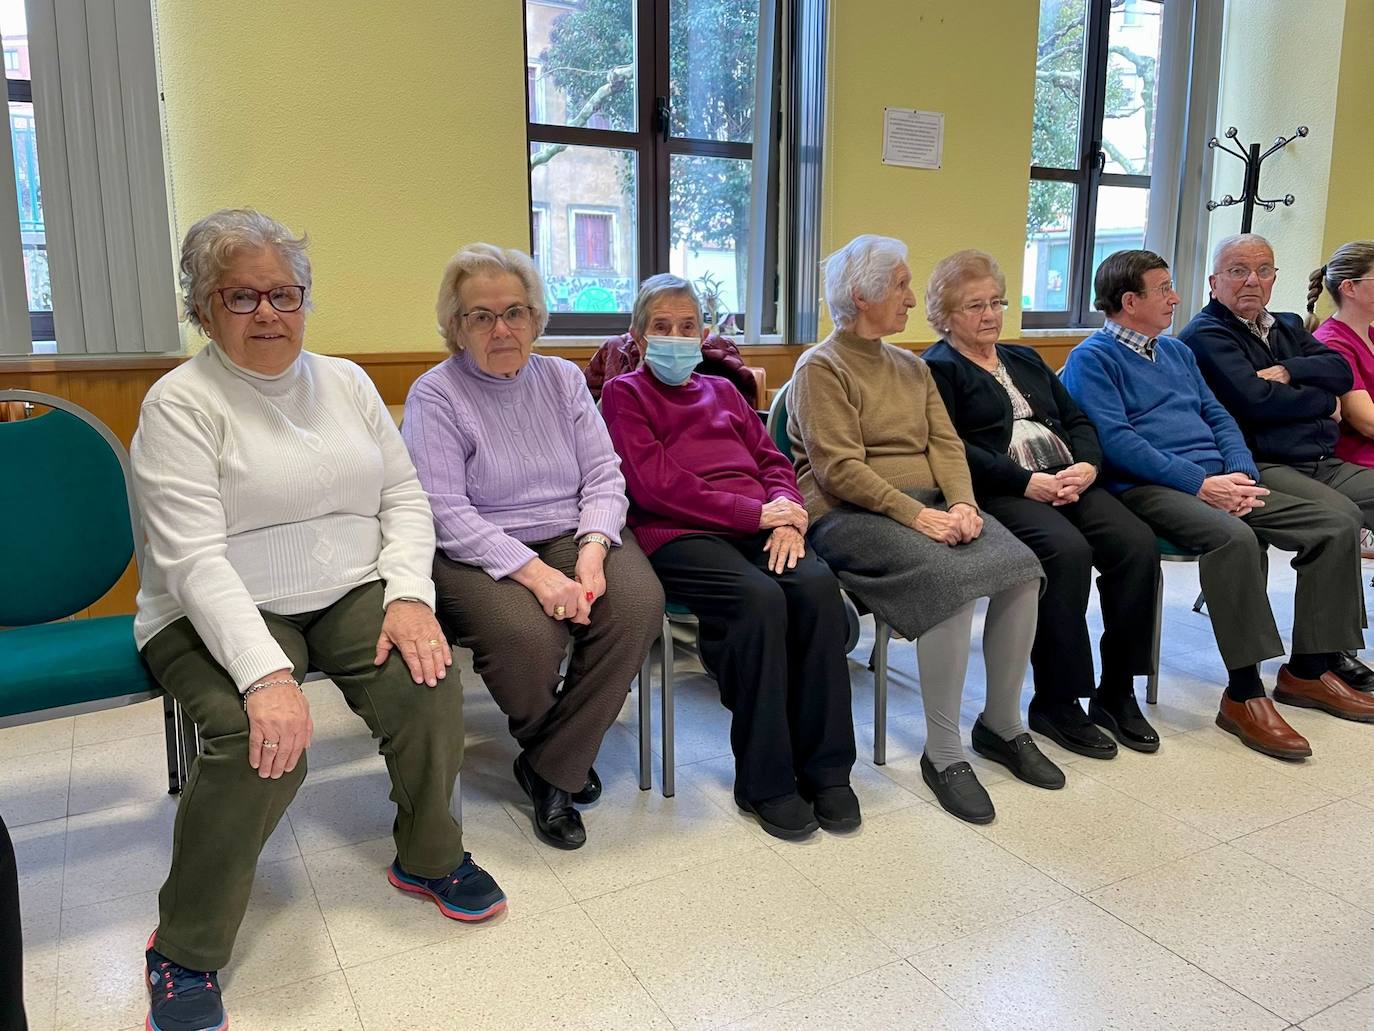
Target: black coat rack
{"points": [[1252, 158]]}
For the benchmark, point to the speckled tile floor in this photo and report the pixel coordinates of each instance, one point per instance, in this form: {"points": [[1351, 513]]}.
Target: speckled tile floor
{"points": [[1202, 887]]}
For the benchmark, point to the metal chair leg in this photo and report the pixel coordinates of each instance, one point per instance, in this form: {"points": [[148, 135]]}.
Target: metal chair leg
{"points": [[669, 760], [646, 720], [170, 731], [880, 639], [1152, 682]]}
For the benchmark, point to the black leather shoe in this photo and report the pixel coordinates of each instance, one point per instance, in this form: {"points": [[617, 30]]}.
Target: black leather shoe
{"points": [[1354, 672], [1123, 718], [1068, 726], [837, 808], [556, 822], [1020, 755], [788, 816], [591, 790], [958, 791]]}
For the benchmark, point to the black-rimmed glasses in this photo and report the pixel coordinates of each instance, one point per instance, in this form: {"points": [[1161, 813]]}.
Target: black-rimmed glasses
{"points": [[244, 300], [482, 321]]}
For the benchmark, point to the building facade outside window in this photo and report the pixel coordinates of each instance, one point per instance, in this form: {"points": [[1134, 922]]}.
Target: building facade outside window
{"points": [[642, 151]]}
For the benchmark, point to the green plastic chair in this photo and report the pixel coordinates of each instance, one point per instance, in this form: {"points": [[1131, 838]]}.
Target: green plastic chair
{"points": [[68, 527]]}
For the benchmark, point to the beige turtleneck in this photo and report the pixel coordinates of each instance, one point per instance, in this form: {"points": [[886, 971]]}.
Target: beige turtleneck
{"points": [[866, 423]]}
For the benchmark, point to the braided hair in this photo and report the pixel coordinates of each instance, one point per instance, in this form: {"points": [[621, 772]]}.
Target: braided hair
{"points": [[1351, 261]]}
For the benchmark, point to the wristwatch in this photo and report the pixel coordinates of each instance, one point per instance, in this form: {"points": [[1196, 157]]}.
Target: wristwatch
{"points": [[594, 538]]}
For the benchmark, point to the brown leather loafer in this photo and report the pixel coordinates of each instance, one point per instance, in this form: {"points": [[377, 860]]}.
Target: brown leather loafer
{"points": [[1258, 724], [1329, 693]]}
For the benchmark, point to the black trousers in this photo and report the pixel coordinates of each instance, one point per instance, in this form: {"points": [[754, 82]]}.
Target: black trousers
{"points": [[11, 939], [775, 644], [1097, 530]]}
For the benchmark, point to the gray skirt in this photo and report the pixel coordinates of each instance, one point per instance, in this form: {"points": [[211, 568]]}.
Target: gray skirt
{"points": [[910, 581]]}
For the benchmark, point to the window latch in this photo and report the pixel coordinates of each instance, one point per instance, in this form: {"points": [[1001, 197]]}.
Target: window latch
{"points": [[661, 112]]}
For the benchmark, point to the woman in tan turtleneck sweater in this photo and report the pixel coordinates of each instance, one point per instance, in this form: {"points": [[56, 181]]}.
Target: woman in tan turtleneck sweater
{"points": [[892, 511]]}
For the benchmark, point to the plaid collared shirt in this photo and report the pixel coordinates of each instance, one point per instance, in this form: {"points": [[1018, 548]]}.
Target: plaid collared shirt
{"points": [[1138, 342], [1261, 326]]}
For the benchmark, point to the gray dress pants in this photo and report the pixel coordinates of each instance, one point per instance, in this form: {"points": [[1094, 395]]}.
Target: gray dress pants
{"points": [[1328, 605]]}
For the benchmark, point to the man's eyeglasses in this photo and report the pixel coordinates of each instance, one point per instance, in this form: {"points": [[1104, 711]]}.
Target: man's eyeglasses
{"points": [[1164, 290], [1239, 273], [996, 306], [244, 300], [482, 322]]}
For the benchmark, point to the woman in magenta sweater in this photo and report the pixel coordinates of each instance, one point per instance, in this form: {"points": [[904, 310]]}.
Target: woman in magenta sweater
{"points": [[1349, 279], [715, 506]]}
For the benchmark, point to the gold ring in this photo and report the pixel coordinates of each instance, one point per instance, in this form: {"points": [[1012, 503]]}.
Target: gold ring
{"points": [[434, 642], [270, 744], [560, 611]]}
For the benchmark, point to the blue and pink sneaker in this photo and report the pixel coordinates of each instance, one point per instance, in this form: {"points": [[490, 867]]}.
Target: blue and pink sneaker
{"points": [[468, 893], [181, 999]]}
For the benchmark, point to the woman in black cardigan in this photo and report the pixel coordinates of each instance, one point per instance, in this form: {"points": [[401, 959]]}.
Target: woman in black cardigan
{"points": [[1034, 457]]}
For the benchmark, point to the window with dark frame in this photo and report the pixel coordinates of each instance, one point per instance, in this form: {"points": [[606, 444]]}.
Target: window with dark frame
{"points": [[641, 151], [1096, 84], [23, 140]]}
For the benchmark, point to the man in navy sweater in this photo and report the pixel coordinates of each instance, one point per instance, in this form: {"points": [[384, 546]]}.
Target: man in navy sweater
{"points": [[1283, 386], [1179, 461]]}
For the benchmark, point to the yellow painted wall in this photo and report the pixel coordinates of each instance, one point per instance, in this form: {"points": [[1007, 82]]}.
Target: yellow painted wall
{"points": [[1350, 194], [976, 63], [1280, 69], [391, 139]]}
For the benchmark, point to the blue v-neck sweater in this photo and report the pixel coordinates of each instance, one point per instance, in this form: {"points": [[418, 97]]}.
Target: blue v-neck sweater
{"points": [[1158, 421]]}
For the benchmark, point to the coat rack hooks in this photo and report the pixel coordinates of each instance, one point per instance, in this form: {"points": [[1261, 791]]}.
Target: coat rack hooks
{"points": [[1252, 159]]}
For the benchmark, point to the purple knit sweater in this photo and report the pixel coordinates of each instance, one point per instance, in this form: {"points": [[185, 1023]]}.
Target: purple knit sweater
{"points": [[696, 457], [507, 462]]}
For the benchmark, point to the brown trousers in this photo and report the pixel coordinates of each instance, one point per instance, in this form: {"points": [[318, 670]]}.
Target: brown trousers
{"points": [[518, 651]]}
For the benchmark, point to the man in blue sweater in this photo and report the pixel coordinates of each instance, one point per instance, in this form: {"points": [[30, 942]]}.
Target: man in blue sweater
{"points": [[1283, 386], [1179, 461]]}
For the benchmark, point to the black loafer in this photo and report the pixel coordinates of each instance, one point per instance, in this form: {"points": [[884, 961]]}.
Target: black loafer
{"points": [[1354, 672], [591, 790], [788, 816], [1068, 726], [958, 791], [836, 808], [556, 822], [1021, 755], [1123, 718]]}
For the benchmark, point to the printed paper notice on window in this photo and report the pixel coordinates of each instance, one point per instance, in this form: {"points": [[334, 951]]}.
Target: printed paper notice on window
{"points": [[914, 139]]}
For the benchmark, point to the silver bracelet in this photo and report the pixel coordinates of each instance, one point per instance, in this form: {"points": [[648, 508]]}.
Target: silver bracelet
{"points": [[595, 538], [271, 683]]}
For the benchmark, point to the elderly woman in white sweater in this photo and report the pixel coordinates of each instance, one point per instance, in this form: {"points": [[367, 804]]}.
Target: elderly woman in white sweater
{"points": [[286, 531]]}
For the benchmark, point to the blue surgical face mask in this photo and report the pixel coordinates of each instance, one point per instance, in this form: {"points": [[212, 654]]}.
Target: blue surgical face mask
{"points": [[672, 359]]}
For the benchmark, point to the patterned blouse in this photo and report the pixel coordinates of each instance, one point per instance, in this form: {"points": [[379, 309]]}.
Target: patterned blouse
{"points": [[1034, 445]]}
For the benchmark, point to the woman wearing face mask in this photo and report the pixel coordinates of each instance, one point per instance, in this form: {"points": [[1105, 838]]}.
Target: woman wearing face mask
{"points": [[715, 355], [715, 506]]}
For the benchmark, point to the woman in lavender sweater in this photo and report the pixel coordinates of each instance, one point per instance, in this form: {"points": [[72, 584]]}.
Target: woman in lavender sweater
{"points": [[529, 510], [716, 507]]}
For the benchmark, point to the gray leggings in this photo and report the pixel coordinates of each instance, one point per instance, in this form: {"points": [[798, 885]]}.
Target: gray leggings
{"points": [[942, 657]]}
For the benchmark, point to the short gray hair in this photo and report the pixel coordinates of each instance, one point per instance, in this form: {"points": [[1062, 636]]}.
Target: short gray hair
{"points": [[947, 281], [863, 267], [655, 289], [212, 244], [486, 259], [1237, 240]]}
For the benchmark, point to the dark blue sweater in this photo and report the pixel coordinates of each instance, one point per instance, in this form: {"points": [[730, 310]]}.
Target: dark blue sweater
{"points": [[1158, 421], [1282, 422]]}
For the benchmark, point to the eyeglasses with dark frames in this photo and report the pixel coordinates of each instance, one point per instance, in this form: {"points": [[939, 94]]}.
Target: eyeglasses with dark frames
{"points": [[244, 300], [482, 321]]}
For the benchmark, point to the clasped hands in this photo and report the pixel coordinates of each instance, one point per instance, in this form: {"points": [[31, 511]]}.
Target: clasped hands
{"points": [[562, 597], [960, 525], [1064, 487], [1235, 493], [787, 543]]}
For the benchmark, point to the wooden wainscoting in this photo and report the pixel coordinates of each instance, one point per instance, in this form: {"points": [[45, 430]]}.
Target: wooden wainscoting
{"points": [[112, 389]]}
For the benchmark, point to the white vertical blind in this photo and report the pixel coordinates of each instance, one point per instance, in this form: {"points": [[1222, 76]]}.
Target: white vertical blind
{"points": [[104, 196]]}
